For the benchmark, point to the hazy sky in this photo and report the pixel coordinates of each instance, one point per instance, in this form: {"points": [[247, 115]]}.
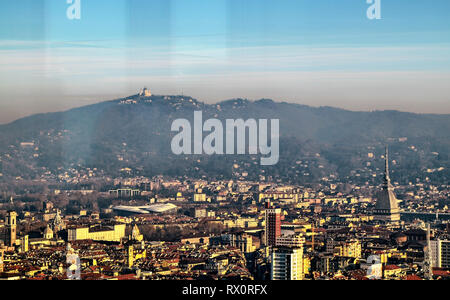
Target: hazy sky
{"points": [[315, 52]]}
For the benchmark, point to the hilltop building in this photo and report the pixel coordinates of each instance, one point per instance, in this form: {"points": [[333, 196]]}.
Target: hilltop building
{"points": [[145, 92]]}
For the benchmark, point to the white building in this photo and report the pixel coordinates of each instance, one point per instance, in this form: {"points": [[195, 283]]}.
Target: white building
{"points": [[440, 253], [287, 263]]}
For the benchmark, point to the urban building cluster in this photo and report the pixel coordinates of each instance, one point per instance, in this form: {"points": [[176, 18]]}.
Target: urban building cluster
{"points": [[164, 228]]}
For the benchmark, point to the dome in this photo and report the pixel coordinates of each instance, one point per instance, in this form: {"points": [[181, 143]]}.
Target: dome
{"points": [[48, 230], [48, 233]]}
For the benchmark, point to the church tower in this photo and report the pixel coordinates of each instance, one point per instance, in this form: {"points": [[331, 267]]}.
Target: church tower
{"points": [[48, 233], [57, 224], [136, 234], [11, 229], [145, 92], [387, 209], [130, 256]]}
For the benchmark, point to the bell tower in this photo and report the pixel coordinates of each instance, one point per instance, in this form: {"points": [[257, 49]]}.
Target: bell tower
{"points": [[11, 229], [130, 256]]}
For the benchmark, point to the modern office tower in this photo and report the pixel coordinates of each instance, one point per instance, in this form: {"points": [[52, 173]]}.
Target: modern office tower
{"points": [[440, 253], [387, 204], [11, 229], [287, 263], [273, 225]]}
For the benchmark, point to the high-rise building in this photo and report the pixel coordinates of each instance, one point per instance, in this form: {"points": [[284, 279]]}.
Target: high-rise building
{"points": [[293, 240], [11, 229], [287, 263], [440, 253], [24, 244], [387, 209], [273, 225]]}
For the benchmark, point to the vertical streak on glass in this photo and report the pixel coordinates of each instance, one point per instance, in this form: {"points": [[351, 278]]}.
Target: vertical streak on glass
{"points": [[148, 41], [247, 35], [23, 33]]}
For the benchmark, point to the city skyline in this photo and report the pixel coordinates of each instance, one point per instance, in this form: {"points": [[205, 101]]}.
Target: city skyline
{"points": [[220, 147]]}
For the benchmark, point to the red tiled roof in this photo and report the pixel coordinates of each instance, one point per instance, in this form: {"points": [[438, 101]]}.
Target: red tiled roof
{"points": [[413, 277], [391, 267], [91, 276], [441, 272], [126, 277], [359, 275]]}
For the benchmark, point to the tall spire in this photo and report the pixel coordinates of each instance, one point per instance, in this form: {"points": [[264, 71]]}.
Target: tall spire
{"points": [[387, 207], [386, 172]]}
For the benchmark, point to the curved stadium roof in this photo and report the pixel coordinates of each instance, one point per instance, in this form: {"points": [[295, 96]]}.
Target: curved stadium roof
{"points": [[154, 208]]}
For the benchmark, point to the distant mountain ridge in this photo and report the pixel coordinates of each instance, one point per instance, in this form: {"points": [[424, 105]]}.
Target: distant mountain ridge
{"points": [[134, 132]]}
